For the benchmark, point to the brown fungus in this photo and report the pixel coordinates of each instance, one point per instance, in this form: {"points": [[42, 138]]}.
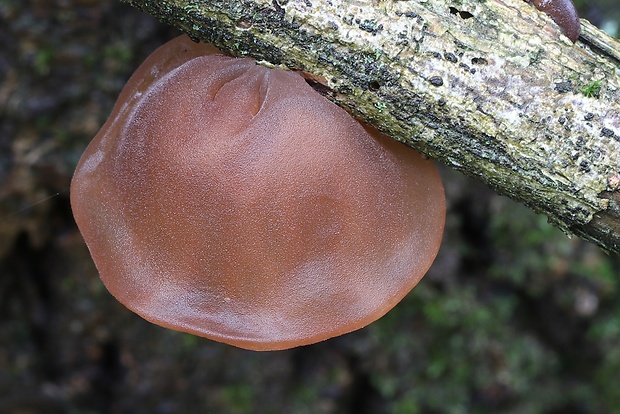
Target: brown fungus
{"points": [[232, 201], [564, 14]]}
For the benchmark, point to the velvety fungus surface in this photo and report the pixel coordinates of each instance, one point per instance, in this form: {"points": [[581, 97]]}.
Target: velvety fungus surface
{"points": [[232, 201]]}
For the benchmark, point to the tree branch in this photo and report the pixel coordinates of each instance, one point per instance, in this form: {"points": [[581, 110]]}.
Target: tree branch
{"points": [[491, 88]]}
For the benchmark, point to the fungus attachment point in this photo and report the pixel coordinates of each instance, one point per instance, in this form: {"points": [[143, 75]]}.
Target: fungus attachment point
{"points": [[232, 201]]}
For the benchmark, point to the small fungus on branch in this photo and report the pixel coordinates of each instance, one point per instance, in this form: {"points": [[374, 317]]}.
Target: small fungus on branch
{"points": [[564, 14]]}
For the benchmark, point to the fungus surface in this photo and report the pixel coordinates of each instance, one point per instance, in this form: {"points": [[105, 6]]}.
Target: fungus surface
{"points": [[232, 201]]}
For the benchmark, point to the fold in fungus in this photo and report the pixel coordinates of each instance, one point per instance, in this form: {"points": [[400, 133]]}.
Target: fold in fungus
{"points": [[232, 201]]}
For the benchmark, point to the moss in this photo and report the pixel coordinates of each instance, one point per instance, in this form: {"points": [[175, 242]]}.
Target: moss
{"points": [[592, 89]]}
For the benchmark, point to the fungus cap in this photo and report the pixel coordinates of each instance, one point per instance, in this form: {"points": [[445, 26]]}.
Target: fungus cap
{"points": [[232, 201]]}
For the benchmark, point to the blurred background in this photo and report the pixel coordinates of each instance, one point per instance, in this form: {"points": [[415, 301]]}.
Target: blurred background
{"points": [[514, 316]]}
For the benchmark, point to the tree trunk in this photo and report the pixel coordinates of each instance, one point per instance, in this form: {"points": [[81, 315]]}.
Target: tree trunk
{"points": [[492, 89]]}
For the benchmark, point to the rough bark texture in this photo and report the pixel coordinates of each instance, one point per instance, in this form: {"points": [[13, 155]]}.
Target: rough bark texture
{"points": [[490, 88]]}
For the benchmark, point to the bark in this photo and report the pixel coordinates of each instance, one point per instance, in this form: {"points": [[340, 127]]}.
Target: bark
{"points": [[491, 88]]}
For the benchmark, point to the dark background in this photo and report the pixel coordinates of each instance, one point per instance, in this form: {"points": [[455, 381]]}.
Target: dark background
{"points": [[514, 317]]}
